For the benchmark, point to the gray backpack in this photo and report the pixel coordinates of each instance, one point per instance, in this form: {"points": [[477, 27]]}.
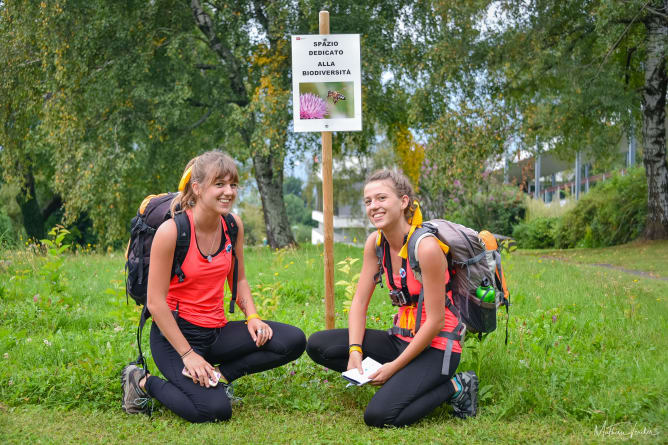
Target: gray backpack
{"points": [[473, 258], [471, 261]]}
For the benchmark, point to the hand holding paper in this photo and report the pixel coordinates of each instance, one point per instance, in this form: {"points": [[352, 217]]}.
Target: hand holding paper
{"points": [[369, 366]]}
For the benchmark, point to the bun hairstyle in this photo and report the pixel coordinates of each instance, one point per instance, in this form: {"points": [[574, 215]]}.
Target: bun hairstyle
{"points": [[401, 184], [204, 170]]}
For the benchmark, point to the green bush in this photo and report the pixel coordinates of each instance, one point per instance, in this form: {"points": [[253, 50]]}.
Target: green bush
{"points": [[8, 235], [302, 233], [536, 234], [612, 213], [497, 208], [254, 229]]}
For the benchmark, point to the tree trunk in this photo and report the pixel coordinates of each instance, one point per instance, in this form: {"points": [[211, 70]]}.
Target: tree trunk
{"points": [[33, 220], [269, 177], [654, 128]]}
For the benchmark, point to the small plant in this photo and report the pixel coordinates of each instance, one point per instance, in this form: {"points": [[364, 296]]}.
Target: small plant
{"points": [[350, 283], [51, 270], [267, 298]]}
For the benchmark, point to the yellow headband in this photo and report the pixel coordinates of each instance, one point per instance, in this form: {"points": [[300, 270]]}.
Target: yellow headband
{"points": [[185, 178]]}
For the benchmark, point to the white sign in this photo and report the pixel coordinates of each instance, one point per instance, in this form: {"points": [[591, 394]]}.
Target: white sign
{"points": [[326, 82]]}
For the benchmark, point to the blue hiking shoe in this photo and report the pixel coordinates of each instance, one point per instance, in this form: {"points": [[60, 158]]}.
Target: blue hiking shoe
{"points": [[465, 403]]}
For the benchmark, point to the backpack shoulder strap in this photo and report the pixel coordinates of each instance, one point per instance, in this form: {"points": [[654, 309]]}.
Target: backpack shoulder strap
{"points": [[413, 242], [378, 277], [232, 229], [233, 232], [182, 244]]}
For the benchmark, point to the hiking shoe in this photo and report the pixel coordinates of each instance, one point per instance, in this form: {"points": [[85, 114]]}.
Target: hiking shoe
{"points": [[229, 392], [465, 403], [135, 400]]}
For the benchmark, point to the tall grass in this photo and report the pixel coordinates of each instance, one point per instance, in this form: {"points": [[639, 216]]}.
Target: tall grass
{"points": [[587, 347], [536, 208]]}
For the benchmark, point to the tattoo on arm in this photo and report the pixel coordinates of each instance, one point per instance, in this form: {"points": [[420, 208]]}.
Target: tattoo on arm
{"points": [[241, 302]]}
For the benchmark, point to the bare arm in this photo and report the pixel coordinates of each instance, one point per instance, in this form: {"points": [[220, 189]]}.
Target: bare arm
{"points": [[360, 303], [244, 297], [433, 264], [159, 277]]}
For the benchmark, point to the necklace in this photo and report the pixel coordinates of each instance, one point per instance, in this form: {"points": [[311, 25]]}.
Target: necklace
{"points": [[209, 258]]}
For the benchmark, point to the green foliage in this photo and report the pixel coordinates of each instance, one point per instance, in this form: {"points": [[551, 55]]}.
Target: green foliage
{"points": [[293, 185], [105, 117], [536, 208], [573, 329], [536, 234], [486, 205], [612, 213], [302, 233], [251, 215], [8, 235], [349, 284], [298, 213], [52, 265]]}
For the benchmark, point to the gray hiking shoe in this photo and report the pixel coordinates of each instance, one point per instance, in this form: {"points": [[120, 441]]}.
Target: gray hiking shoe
{"points": [[466, 402], [229, 391], [135, 400]]}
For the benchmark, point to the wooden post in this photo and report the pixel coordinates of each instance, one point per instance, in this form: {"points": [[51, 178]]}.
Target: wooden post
{"points": [[327, 206]]}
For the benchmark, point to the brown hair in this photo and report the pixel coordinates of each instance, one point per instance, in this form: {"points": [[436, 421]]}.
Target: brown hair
{"points": [[402, 186], [206, 168]]}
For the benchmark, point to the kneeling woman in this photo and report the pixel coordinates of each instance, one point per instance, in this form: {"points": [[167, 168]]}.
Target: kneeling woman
{"points": [[190, 333], [418, 364]]}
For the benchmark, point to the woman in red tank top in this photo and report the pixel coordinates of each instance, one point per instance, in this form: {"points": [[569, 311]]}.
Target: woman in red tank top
{"points": [[413, 378], [195, 347]]}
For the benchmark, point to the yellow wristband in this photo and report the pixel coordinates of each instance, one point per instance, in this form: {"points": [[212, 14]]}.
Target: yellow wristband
{"points": [[252, 316], [355, 348]]}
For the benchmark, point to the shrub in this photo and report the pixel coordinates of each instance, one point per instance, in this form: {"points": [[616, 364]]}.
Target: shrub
{"points": [[536, 208], [612, 213], [302, 233], [8, 235], [496, 208], [254, 229], [536, 234]]}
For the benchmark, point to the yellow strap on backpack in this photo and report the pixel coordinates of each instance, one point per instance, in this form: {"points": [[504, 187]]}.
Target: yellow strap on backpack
{"points": [[407, 319]]}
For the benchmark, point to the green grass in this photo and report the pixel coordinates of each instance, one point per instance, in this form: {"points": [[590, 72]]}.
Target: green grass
{"points": [[587, 349], [650, 257]]}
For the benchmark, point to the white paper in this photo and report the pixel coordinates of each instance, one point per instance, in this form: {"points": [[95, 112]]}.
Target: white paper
{"points": [[369, 366]]}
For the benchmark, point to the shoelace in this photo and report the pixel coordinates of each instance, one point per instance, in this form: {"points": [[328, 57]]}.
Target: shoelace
{"points": [[142, 402], [229, 391]]}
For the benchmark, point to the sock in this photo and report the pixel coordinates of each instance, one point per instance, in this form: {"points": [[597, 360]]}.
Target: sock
{"points": [[458, 385]]}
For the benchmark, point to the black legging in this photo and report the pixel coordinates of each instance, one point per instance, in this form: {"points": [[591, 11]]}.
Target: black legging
{"points": [[232, 349], [410, 394]]}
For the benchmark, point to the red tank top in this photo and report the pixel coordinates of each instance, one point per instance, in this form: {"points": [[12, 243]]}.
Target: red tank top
{"points": [[410, 311], [200, 295]]}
